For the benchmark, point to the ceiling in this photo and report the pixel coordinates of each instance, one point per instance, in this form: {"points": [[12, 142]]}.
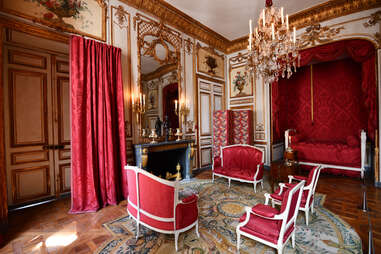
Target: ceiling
{"points": [[230, 18]]}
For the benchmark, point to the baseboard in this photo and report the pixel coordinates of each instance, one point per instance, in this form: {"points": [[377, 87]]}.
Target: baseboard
{"points": [[199, 170]]}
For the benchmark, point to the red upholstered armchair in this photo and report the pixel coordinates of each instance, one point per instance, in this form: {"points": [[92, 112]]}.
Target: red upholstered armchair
{"points": [[154, 203], [307, 202], [269, 226], [240, 162]]}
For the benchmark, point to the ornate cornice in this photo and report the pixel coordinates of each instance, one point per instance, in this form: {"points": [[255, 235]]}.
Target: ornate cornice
{"points": [[319, 13], [159, 72], [330, 10], [179, 20]]}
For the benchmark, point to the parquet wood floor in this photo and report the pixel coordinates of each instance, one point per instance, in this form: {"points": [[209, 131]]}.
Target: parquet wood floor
{"points": [[46, 228]]}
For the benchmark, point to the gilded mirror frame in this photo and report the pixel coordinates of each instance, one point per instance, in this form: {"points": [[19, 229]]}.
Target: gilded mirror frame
{"points": [[146, 26]]}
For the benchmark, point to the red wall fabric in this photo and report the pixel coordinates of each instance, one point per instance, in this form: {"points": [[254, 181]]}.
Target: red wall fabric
{"points": [[97, 122], [328, 80], [337, 102]]}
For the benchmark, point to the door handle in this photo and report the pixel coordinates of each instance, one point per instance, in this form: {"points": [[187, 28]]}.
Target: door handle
{"points": [[59, 146]]}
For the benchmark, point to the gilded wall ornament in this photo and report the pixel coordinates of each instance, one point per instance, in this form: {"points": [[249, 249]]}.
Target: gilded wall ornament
{"points": [[121, 16], [374, 19], [317, 34]]}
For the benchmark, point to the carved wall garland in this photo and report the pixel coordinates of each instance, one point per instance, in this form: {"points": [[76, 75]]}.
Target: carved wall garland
{"points": [[188, 46], [316, 34]]}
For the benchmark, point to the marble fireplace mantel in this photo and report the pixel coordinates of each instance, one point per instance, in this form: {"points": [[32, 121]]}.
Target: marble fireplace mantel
{"points": [[162, 157]]}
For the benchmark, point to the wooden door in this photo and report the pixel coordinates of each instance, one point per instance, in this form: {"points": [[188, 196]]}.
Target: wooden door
{"points": [[61, 124], [28, 128], [210, 96], [37, 124]]}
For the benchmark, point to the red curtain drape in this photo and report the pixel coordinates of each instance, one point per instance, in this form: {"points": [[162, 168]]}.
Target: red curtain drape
{"points": [[97, 121], [170, 94], [362, 52]]}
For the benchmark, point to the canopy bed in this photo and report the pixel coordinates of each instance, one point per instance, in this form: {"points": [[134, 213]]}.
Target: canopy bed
{"points": [[330, 106]]}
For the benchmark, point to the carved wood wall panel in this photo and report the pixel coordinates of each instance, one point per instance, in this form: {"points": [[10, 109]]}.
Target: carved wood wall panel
{"points": [[30, 183], [28, 107]]}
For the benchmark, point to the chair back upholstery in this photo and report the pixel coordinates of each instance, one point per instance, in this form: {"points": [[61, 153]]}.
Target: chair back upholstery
{"points": [[290, 207], [151, 199], [156, 197], [312, 180], [241, 156]]}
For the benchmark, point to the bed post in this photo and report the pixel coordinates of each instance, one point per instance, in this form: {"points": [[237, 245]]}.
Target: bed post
{"points": [[286, 135], [363, 152]]}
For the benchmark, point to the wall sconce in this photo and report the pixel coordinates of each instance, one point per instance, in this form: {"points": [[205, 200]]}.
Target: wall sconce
{"points": [[138, 107]]}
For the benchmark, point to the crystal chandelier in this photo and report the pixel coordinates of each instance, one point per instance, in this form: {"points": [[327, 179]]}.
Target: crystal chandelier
{"points": [[273, 50]]}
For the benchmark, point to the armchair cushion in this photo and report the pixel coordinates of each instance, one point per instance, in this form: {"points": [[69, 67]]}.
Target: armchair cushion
{"points": [[265, 210], [264, 228]]}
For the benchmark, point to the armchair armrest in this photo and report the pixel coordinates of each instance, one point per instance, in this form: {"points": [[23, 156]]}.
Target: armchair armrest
{"points": [[216, 162], [190, 199], [259, 173], [264, 211], [297, 178], [186, 211]]}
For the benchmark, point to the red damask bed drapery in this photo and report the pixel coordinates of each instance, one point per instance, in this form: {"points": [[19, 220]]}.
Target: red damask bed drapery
{"points": [[362, 52], [97, 121]]}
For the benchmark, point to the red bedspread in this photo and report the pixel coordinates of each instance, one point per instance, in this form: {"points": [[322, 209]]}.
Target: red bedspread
{"points": [[340, 154]]}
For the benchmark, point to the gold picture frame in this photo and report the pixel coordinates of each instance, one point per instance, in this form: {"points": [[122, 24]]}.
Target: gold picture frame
{"points": [[241, 83], [84, 17], [210, 62]]}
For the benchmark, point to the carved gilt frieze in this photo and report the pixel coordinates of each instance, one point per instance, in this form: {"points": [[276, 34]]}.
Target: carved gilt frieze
{"points": [[316, 34]]}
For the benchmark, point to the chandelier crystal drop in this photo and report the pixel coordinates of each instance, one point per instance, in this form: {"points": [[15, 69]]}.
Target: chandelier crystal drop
{"points": [[273, 50]]}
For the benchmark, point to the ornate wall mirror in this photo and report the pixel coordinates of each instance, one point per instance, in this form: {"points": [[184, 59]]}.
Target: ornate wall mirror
{"points": [[159, 73]]}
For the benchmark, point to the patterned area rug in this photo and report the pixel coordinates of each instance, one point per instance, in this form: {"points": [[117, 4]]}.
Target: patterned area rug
{"points": [[219, 212]]}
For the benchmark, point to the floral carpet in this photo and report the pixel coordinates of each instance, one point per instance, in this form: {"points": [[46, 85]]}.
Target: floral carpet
{"points": [[219, 212]]}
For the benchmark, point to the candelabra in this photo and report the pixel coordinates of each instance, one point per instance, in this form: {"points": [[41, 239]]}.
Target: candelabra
{"points": [[273, 50], [138, 107], [181, 110]]}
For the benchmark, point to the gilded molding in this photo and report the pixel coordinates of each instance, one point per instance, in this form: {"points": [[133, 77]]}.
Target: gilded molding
{"points": [[319, 13], [317, 34]]}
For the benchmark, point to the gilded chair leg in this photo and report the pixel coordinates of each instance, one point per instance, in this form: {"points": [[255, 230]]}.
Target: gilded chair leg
{"points": [[255, 187], [176, 240], [213, 178], [197, 233], [312, 207]]}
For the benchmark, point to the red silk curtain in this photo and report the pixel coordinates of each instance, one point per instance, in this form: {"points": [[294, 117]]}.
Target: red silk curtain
{"points": [[170, 94], [97, 121], [360, 51]]}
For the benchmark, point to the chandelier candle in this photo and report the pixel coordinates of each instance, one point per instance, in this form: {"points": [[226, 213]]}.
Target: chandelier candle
{"points": [[273, 51]]}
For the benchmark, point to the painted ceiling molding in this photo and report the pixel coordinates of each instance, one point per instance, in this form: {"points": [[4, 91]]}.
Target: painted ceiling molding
{"points": [[174, 17]]}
